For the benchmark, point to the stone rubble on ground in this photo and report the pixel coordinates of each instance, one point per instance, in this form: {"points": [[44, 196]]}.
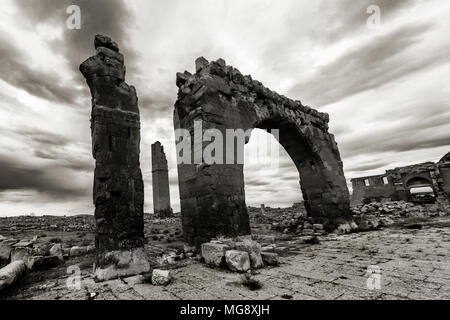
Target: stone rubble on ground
{"points": [[11, 273], [376, 215], [123, 263], [214, 253], [161, 277], [57, 251], [270, 258], [239, 255], [38, 256], [238, 261]]}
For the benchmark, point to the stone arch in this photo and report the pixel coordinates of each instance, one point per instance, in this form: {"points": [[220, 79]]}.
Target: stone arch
{"points": [[212, 196], [419, 189], [418, 182]]}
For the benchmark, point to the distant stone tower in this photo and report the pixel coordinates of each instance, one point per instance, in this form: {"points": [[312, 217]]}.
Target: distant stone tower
{"points": [[160, 177], [118, 185]]}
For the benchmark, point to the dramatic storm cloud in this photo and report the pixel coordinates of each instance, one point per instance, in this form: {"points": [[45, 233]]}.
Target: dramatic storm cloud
{"points": [[386, 89]]}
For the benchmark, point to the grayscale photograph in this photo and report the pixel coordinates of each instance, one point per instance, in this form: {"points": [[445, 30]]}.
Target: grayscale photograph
{"points": [[243, 152]]}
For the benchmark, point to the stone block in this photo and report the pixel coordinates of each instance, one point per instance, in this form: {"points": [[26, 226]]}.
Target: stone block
{"points": [[238, 261], [40, 263], [270, 258], [11, 273], [77, 251], [254, 250], [57, 251], [5, 253], [318, 226], [21, 253], [308, 232], [161, 277], [122, 263], [24, 243], [214, 253]]}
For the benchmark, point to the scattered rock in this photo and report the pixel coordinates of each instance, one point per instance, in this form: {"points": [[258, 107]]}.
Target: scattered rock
{"points": [[308, 232], [23, 243], [345, 228], [161, 277], [189, 249], [77, 251], [214, 253], [268, 248], [21, 253], [123, 263], [318, 226], [40, 263], [11, 273], [254, 250], [270, 258], [5, 254], [237, 260]]}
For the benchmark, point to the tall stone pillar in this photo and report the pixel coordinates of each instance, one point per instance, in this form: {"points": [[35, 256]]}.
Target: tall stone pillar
{"points": [[118, 187], [160, 178]]}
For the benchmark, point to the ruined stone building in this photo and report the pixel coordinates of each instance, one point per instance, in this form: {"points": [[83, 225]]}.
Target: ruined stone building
{"points": [[160, 181], [212, 196], [118, 186], [397, 184]]}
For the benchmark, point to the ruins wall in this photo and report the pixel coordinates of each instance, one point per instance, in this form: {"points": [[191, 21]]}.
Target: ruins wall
{"points": [[212, 196], [118, 192], [400, 181], [376, 190]]}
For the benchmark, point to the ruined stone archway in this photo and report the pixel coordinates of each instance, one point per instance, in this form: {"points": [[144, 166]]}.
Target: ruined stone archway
{"points": [[212, 196], [420, 190]]}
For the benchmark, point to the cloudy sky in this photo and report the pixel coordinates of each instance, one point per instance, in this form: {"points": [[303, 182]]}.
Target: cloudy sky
{"points": [[387, 89]]}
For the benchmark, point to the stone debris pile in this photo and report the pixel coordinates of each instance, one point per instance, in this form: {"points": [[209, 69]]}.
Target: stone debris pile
{"points": [[11, 273], [48, 223], [375, 215], [34, 256], [241, 254], [398, 209], [286, 220]]}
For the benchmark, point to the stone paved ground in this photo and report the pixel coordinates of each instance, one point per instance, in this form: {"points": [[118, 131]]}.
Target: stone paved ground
{"points": [[415, 264]]}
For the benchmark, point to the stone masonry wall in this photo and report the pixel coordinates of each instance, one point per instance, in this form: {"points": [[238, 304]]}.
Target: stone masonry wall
{"points": [[118, 187], [212, 196], [398, 181]]}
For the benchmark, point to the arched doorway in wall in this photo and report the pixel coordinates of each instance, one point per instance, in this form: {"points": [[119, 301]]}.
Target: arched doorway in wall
{"points": [[212, 193], [420, 190]]}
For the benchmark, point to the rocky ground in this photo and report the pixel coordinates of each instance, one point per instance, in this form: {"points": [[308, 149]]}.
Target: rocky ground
{"points": [[407, 258]]}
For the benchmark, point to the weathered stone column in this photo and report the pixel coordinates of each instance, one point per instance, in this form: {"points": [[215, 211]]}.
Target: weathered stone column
{"points": [[118, 186], [160, 180]]}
